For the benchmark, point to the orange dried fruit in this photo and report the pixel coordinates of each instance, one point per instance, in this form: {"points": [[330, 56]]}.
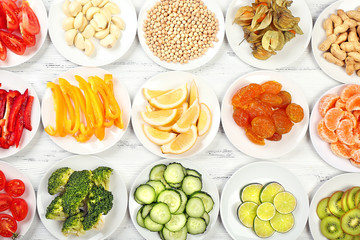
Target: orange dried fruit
{"points": [[325, 134], [340, 149], [344, 132], [295, 112], [282, 122], [258, 108], [270, 98], [245, 94], [327, 102], [275, 137], [253, 137], [353, 103], [332, 118], [271, 87], [286, 99], [263, 126], [241, 117], [349, 91]]}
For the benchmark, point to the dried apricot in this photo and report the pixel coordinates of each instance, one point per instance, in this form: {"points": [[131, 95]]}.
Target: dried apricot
{"points": [[295, 112], [245, 94], [282, 122], [344, 132], [325, 134], [270, 98], [271, 87], [275, 137], [327, 102], [353, 103], [349, 91], [286, 99], [253, 137], [241, 117], [263, 126], [258, 108], [332, 118], [340, 149]]}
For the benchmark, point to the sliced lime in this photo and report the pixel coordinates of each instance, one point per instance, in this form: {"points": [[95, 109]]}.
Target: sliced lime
{"points": [[251, 193], [269, 191], [282, 222], [285, 202], [247, 213], [262, 228], [266, 211]]}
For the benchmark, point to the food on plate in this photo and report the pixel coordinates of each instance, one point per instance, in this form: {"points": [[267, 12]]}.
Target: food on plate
{"points": [[19, 26], [266, 208], [85, 110], [265, 111], [339, 214], [339, 124], [342, 46], [175, 118], [268, 25], [87, 19], [173, 202], [83, 199], [180, 31]]}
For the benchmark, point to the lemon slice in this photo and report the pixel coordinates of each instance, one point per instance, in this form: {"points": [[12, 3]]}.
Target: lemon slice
{"points": [[205, 119], [156, 136], [194, 94], [181, 110], [266, 211], [160, 117], [150, 108], [189, 118], [171, 99], [285, 202], [149, 94], [182, 143]]}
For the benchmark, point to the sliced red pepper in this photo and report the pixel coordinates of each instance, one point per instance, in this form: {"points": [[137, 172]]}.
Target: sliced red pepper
{"points": [[27, 114], [5, 134], [15, 108], [3, 94], [20, 123]]}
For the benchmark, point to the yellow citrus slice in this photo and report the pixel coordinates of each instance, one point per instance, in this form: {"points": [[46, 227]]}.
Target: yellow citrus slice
{"points": [[149, 94], [160, 117], [156, 136], [205, 119], [171, 99], [194, 94], [189, 118], [181, 110], [150, 108], [182, 143]]}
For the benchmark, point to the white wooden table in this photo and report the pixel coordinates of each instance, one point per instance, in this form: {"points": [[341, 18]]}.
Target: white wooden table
{"points": [[220, 159]]}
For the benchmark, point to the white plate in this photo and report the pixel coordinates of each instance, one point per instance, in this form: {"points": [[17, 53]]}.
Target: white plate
{"points": [[14, 59], [237, 135], [117, 186], [262, 172], [112, 134], [11, 81], [338, 183], [336, 72], [192, 64], [161, 82], [209, 186], [322, 147], [102, 56], [291, 51], [29, 196]]}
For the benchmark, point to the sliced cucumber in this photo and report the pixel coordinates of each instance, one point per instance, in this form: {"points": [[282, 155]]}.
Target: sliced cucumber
{"points": [[161, 235], [160, 213], [195, 207], [195, 225], [335, 204], [139, 218], [191, 184], [193, 172], [157, 185], [351, 197], [206, 198], [179, 235], [262, 228], [138, 201], [145, 194], [246, 213], [322, 209], [269, 191], [206, 217], [251, 193], [152, 226], [175, 185], [176, 223], [174, 173], [183, 202], [172, 198], [282, 222], [146, 210], [157, 172]]}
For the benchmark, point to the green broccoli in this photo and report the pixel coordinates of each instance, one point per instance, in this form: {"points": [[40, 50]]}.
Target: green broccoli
{"points": [[100, 202], [58, 179], [101, 176], [73, 225], [55, 210]]}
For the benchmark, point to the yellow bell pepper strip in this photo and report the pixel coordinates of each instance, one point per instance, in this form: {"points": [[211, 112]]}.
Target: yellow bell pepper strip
{"points": [[95, 90], [113, 109], [83, 137], [100, 133], [108, 123], [119, 122], [102, 95], [88, 129], [60, 109], [70, 110]]}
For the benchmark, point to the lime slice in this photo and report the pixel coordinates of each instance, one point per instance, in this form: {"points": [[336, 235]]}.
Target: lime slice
{"points": [[282, 223], [269, 191], [285, 202], [266, 211], [251, 193], [247, 213], [262, 228]]}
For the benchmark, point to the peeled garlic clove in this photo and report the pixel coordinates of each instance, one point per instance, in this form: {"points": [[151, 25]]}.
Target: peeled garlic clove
{"points": [[78, 20], [103, 3], [65, 8], [86, 7], [89, 47], [68, 23], [100, 20], [108, 42], [102, 34], [70, 36], [113, 8], [79, 41], [83, 2], [89, 31], [74, 8], [106, 13], [96, 2], [84, 24], [95, 26], [114, 30], [118, 22], [91, 12]]}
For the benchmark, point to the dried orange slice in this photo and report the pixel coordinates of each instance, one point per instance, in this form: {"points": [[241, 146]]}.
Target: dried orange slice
{"points": [[194, 94], [189, 118], [149, 94], [171, 99], [160, 117], [205, 119], [182, 143], [156, 136]]}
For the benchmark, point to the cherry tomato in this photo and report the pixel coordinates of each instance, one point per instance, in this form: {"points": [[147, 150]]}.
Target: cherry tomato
{"points": [[19, 209], [12, 22], [29, 20], [13, 42], [30, 40], [5, 201], [8, 225], [2, 175], [15, 187]]}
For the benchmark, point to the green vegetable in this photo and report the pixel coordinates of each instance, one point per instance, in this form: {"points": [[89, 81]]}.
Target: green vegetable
{"points": [[73, 225], [55, 210], [101, 176], [58, 180]]}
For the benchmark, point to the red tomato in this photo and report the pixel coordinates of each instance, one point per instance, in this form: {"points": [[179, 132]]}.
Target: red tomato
{"points": [[15, 187], [5, 201], [29, 19], [2, 18], [30, 40], [2, 175], [13, 42], [19, 209], [12, 22], [8, 225]]}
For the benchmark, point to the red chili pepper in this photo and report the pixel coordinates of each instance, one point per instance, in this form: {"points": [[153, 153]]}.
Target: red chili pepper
{"points": [[15, 108], [27, 114]]}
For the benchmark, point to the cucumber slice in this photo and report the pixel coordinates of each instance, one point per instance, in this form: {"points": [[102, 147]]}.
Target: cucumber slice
{"points": [[206, 198], [285, 202], [146, 210], [265, 211], [157, 185], [174, 173], [176, 223], [282, 223], [161, 235], [269, 191], [195, 207], [351, 197], [175, 185], [145, 194], [139, 218], [251, 193], [138, 201], [246, 213], [343, 201], [152, 226], [157, 172], [262, 228], [172, 198], [160, 213], [206, 217], [335, 204], [191, 184], [350, 222], [179, 235], [322, 209], [193, 172], [195, 225], [330, 227], [183, 202]]}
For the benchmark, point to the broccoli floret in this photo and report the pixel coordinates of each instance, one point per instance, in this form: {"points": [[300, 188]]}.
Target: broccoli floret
{"points": [[101, 176], [76, 190], [55, 210], [100, 202], [58, 179], [73, 225]]}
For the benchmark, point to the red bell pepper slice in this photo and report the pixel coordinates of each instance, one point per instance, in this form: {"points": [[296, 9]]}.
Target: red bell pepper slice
{"points": [[15, 108], [3, 94], [27, 113], [20, 124]]}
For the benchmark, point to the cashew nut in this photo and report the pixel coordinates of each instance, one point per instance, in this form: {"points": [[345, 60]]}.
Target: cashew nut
{"points": [[74, 8], [65, 8], [68, 23], [91, 12], [100, 20], [114, 30], [96, 2], [70, 36], [89, 47], [108, 42], [118, 22], [78, 20], [102, 34], [113, 8], [80, 41], [86, 7], [89, 31]]}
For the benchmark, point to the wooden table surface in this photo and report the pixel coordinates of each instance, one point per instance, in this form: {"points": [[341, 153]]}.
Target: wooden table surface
{"points": [[221, 159]]}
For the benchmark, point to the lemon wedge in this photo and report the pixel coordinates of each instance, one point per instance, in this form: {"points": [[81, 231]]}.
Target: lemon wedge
{"points": [[156, 136], [160, 117], [171, 99], [182, 143]]}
